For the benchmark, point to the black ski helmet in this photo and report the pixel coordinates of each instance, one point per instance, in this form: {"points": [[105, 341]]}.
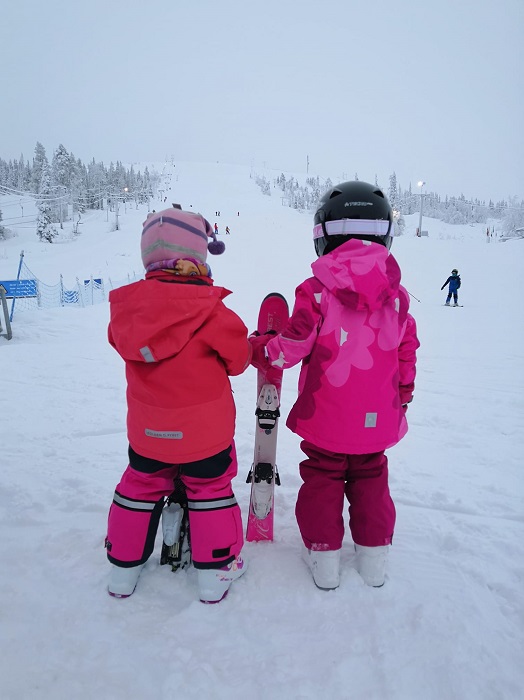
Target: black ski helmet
{"points": [[360, 210]]}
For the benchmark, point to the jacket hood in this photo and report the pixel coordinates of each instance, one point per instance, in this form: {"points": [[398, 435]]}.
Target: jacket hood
{"points": [[361, 274], [154, 319]]}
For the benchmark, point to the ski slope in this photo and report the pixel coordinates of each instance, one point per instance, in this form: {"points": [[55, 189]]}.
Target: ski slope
{"points": [[449, 622]]}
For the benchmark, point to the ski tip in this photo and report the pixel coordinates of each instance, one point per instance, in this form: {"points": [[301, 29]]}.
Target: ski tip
{"points": [[275, 294]]}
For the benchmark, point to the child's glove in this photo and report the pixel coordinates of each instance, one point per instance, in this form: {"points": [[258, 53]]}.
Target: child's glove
{"points": [[259, 359], [258, 346]]}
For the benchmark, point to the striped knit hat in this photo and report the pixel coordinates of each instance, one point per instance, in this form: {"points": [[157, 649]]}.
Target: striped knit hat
{"points": [[174, 234]]}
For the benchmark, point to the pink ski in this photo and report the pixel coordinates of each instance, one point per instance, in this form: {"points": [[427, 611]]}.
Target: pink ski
{"points": [[263, 474]]}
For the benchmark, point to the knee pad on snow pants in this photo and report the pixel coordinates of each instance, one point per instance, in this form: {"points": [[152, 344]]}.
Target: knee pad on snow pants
{"points": [[214, 515]]}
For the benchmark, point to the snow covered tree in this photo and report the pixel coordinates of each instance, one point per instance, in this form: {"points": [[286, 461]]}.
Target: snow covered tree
{"points": [[44, 223], [78, 185], [393, 192], [60, 181], [61, 167], [21, 183], [148, 187], [96, 185], [513, 219], [39, 160]]}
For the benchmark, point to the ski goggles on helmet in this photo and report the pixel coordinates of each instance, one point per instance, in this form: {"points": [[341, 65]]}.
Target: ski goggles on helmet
{"points": [[352, 227]]}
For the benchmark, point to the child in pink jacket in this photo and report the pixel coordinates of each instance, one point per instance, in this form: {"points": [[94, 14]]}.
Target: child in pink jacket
{"points": [[351, 329]]}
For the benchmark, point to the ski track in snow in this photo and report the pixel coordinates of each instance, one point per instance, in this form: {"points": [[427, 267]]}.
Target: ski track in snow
{"points": [[449, 621]]}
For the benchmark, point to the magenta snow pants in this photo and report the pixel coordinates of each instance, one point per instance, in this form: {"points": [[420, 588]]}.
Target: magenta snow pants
{"points": [[214, 515], [328, 477]]}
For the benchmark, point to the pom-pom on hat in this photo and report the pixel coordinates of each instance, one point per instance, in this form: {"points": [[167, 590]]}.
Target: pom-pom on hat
{"points": [[174, 234]]}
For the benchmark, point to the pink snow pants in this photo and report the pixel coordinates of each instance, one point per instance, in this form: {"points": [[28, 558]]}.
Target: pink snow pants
{"points": [[214, 515], [328, 477]]}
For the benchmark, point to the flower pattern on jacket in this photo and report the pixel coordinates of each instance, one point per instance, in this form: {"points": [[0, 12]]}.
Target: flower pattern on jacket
{"points": [[353, 350]]}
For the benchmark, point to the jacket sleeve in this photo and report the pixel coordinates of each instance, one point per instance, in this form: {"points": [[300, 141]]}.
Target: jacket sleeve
{"points": [[407, 360], [296, 341], [230, 341]]}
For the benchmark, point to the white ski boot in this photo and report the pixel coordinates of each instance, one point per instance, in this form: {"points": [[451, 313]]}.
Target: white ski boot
{"points": [[371, 564], [122, 581], [213, 584], [325, 567]]}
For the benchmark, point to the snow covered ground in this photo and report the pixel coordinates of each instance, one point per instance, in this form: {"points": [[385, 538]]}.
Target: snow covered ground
{"points": [[449, 623]]}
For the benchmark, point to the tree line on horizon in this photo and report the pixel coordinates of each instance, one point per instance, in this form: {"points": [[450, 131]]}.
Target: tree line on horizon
{"points": [[449, 209], [67, 185]]}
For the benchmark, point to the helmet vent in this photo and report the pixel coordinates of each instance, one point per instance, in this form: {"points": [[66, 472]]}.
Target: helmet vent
{"points": [[335, 193], [380, 193]]}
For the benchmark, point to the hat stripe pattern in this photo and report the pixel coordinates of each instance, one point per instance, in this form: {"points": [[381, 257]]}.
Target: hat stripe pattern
{"points": [[170, 251], [175, 222], [173, 234]]}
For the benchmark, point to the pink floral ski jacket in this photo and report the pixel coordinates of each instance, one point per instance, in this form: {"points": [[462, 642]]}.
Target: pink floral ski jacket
{"points": [[351, 329]]}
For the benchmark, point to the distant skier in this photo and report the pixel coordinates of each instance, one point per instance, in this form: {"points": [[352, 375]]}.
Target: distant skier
{"points": [[180, 344], [227, 231], [352, 331], [216, 229], [454, 285]]}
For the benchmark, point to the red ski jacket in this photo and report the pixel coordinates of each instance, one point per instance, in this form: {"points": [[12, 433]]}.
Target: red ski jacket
{"points": [[179, 342]]}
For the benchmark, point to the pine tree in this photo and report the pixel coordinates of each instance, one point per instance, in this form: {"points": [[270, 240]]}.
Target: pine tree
{"points": [[21, 183], [79, 191], [60, 180], [44, 223], [61, 167], [513, 219], [39, 160], [392, 194]]}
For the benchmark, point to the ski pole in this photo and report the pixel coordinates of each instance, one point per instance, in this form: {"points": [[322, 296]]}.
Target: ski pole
{"points": [[414, 297]]}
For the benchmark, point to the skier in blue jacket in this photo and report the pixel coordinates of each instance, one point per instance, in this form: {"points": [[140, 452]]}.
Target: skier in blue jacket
{"points": [[454, 285]]}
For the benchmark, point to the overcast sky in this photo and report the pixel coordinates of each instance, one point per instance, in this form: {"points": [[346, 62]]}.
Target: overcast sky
{"points": [[430, 90]]}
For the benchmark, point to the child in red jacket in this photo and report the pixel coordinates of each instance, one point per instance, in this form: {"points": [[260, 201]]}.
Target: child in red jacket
{"points": [[180, 344]]}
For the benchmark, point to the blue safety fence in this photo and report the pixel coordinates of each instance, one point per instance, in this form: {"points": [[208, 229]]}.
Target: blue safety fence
{"points": [[28, 292]]}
